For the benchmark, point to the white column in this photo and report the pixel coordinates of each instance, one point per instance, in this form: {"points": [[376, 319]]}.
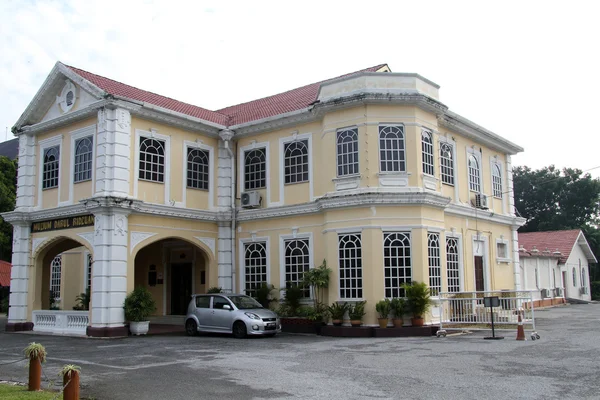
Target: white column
{"points": [[113, 169], [224, 194], [26, 173], [515, 257], [109, 271], [224, 256], [19, 278]]}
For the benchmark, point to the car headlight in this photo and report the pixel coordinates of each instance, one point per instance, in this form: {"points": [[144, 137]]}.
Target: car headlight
{"points": [[252, 315]]}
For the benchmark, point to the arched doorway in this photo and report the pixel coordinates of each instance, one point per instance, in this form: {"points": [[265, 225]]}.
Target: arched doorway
{"points": [[172, 269]]}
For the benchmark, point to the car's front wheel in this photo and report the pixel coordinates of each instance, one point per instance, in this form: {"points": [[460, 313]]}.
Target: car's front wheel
{"points": [[191, 328], [239, 330]]}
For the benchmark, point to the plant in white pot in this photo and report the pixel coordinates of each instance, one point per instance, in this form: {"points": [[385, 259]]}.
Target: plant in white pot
{"points": [[139, 305]]}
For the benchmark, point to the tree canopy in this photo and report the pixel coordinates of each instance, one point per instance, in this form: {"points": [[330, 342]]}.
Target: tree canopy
{"points": [[8, 194]]}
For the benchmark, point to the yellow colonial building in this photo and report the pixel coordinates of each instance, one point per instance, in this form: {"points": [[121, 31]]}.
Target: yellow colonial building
{"points": [[120, 187]]}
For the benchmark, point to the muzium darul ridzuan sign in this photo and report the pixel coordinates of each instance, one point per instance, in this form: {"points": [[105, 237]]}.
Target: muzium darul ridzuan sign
{"points": [[62, 223]]}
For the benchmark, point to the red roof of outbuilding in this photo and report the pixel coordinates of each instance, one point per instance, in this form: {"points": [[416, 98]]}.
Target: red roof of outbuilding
{"points": [[551, 240], [292, 100], [5, 273]]}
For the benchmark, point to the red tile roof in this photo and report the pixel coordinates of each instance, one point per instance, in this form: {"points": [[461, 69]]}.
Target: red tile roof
{"points": [[5, 273], [551, 240], [292, 100]]}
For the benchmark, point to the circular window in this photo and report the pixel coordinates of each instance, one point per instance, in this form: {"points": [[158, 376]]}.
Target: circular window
{"points": [[67, 97]]}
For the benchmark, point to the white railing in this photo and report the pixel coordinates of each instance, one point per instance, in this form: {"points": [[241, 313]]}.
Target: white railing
{"points": [[466, 310], [61, 322]]}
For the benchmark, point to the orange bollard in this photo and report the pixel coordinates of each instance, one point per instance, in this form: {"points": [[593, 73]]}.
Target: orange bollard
{"points": [[520, 330], [71, 385], [35, 374]]}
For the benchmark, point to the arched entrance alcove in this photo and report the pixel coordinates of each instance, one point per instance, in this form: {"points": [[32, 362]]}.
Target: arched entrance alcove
{"points": [[61, 263], [172, 269]]}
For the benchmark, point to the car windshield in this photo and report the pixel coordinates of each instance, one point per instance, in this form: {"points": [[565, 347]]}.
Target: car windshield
{"points": [[245, 302]]}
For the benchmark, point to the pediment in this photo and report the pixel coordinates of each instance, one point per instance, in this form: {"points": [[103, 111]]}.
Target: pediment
{"points": [[62, 92]]}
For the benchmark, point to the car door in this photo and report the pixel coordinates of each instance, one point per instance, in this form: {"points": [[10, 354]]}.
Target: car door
{"points": [[203, 311], [221, 318]]}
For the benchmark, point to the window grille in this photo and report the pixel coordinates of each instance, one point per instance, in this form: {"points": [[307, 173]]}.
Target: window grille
{"points": [[452, 264], [391, 148], [435, 270], [574, 277], [83, 159], [90, 262], [50, 169], [197, 169], [350, 266], [152, 160], [296, 161], [427, 149], [446, 163], [55, 274], [255, 265], [583, 277], [297, 262], [497, 181], [396, 262], [347, 152], [255, 169], [474, 180]]}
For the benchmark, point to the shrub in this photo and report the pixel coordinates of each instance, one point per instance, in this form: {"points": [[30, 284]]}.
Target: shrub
{"points": [[293, 295], [338, 310], [139, 305], [83, 301], [357, 311], [214, 289], [383, 307], [418, 298], [398, 306], [318, 280], [262, 294]]}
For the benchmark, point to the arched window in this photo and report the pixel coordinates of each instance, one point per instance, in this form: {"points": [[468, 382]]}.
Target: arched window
{"points": [[574, 277], [297, 262], [83, 159], [55, 275], [396, 263], [474, 175], [347, 151], [497, 180], [152, 160], [391, 148], [296, 161], [447, 163], [255, 169], [255, 264], [452, 264], [427, 150], [350, 266], [435, 268], [51, 165], [197, 169]]}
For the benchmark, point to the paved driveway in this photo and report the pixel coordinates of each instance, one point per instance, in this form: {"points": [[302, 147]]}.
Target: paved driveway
{"points": [[562, 365]]}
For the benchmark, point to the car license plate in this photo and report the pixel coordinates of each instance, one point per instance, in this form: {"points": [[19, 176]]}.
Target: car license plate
{"points": [[271, 326]]}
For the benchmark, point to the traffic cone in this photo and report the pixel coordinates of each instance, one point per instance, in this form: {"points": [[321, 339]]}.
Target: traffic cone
{"points": [[520, 330]]}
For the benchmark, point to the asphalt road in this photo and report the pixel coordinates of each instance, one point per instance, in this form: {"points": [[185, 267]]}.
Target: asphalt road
{"points": [[563, 364]]}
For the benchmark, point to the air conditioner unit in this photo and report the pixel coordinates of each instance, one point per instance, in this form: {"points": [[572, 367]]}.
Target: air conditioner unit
{"points": [[583, 290], [480, 201], [558, 292], [250, 199], [545, 293]]}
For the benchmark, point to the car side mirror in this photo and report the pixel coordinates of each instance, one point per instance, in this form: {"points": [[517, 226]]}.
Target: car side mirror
{"points": [[226, 307]]}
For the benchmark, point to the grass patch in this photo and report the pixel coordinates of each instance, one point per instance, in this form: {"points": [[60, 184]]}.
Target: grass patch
{"points": [[17, 392]]}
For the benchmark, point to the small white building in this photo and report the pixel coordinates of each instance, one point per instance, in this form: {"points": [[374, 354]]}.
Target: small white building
{"points": [[555, 265]]}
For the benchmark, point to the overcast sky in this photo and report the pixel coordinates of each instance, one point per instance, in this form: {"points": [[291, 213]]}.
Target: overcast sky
{"points": [[526, 70]]}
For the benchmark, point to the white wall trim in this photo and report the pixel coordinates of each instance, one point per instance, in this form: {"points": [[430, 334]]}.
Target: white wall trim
{"points": [[452, 143], [211, 181], [241, 165], [470, 150], [76, 135], [493, 162], [293, 236], [136, 165], [43, 145], [461, 262], [506, 259], [242, 254], [282, 142], [484, 251]]}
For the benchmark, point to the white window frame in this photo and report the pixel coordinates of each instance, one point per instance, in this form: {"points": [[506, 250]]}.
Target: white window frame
{"points": [[337, 154], [497, 193], [582, 278], [153, 134], [242, 167], [75, 136], [211, 161], [242, 258], [87, 275], [52, 277], [362, 287], [407, 232], [43, 145], [311, 261], [477, 155], [402, 151], [458, 237], [431, 257], [484, 252], [452, 144], [506, 243], [282, 184], [427, 151]]}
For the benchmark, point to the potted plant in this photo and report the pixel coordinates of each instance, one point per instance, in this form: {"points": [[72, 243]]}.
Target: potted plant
{"points": [[356, 312], [318, 280], [383, 309], [318, 315], [337, 312], [418, 300], [139, 305], [292, 298], [398, 306], [83, 301]]}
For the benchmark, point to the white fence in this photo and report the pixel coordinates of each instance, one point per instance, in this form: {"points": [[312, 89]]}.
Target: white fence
{"points": [[466, 310], [61, 322]]}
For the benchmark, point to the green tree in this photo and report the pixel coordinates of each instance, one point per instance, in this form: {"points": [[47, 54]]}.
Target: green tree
{"points": [[8, 194]]}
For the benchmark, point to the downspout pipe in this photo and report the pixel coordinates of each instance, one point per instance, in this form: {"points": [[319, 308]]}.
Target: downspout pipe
{"points": [[227, 135]]}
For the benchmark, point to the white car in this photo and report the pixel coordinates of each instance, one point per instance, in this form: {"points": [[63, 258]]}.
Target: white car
{"points": [[237, 314]]}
